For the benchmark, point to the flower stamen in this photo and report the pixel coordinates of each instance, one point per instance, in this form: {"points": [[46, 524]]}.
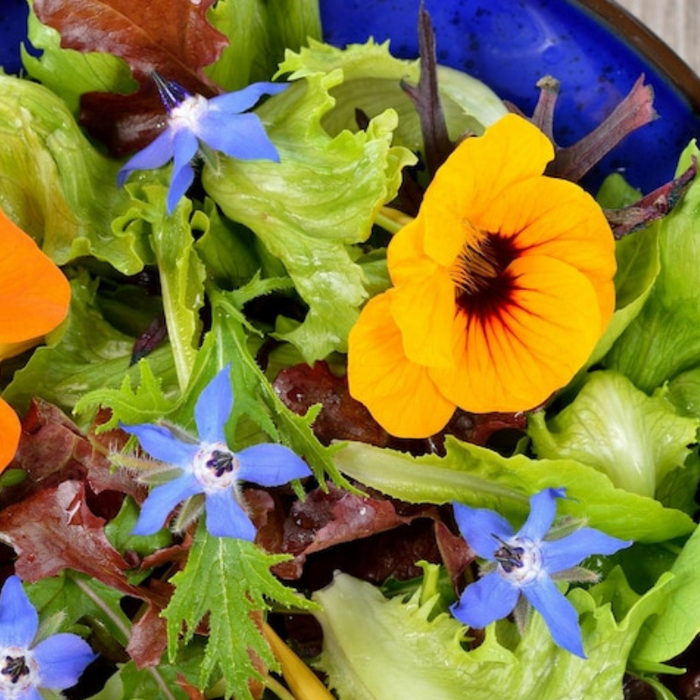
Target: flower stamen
{"points": [[221, 462], [15, 667]]}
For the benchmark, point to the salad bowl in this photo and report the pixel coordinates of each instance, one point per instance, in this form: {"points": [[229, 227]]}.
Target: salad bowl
{"points": [[217, 489]]}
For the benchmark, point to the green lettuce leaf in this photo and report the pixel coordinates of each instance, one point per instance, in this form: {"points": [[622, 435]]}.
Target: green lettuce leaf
{"points": [[678, 623], [638, 266], [321, 198], [372, 83], [664, 338], [386, 649], [259, 33], [56, 185], [482, 478], [637, 440]]}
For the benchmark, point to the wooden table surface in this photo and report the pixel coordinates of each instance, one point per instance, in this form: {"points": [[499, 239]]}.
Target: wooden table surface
{"points": [[677, 22]]}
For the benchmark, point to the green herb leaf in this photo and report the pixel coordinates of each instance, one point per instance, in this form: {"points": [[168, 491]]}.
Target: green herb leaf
{"points": [[228, 580]]}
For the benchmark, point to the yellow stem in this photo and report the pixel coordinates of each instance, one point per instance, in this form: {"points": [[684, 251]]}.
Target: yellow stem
{"points": [[302, 681]]}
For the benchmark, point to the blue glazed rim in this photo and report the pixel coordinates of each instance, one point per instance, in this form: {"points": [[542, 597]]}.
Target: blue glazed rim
{"points": [[603, 51]]}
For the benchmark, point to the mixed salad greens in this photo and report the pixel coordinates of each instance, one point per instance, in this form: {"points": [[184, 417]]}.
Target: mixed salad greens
{"points": [[261, 269]]}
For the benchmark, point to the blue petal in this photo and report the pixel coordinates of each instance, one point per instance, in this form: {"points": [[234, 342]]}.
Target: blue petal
{"points": [[19, 620], [242, 136], [161, 444], [185, 147], [226, 518], [30, 693], [61, 659], [270, 465], [478, 527], [214, 407], [486, 600], [240, 100], [566, 552], [155, 155], [543, 508], [559, 614], [161, 502]]}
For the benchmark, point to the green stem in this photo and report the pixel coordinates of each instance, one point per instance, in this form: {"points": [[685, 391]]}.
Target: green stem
{"points": [[278, 689], [124, 629]]}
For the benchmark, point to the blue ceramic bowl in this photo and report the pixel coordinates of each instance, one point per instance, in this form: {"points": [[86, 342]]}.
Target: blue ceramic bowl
{"points": [[594, 48]]}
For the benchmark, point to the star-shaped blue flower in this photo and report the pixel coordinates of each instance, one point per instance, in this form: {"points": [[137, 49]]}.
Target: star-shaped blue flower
{"points": [[209, 467], [217, 123], [54, 663], [524, 564]]}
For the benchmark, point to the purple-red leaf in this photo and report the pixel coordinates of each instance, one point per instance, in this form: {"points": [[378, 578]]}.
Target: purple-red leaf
{"points": [[173, 37], [54, 530]]}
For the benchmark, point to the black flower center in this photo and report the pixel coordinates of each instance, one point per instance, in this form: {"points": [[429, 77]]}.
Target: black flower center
{"points": [[220, 462], [15, 667], [508, 556]]}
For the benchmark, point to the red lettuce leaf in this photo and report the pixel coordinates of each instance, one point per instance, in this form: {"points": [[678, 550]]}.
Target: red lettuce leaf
{"points": [[172, 37]]}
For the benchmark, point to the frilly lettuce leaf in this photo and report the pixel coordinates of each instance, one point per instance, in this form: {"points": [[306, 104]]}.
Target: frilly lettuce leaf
{"points": [[55, 185], [321, 197], [386, 649], [482, 478], [664, 338], [372, 83], [637, 440]]}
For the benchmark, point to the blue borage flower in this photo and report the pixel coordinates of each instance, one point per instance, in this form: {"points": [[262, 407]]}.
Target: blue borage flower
{"points": [[54, 663], [209, 467], [195, 123], [525, 563]]}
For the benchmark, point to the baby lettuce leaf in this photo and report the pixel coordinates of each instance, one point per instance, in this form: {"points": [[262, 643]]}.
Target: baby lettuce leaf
{"points": [[664, 338], [56, 185], [228, 581], [637, 440], [414, 653], [259, 33], [307, 209], [671, 631], [372, 83], [482, 478]]}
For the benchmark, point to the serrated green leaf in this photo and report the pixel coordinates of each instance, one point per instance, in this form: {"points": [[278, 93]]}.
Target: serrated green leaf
{"points": [[228, 580]]}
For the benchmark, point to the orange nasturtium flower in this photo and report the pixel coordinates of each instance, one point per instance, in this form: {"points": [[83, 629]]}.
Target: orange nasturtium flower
{"points": [[34, 298], [502, 287]]}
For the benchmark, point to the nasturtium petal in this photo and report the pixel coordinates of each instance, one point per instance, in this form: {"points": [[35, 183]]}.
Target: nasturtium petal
{"points": [[475, 176], [541, 339], [405, 255], [423, 311], [10, 431], [398, 392], [34, 293]]}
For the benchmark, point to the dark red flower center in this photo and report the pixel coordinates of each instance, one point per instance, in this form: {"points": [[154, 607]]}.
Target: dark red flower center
{"points": [[483, 284]]}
